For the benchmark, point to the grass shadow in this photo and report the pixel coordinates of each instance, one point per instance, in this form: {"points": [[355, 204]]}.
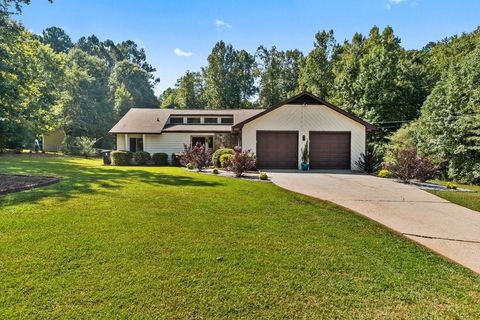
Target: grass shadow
{"points": [[77, 178]]}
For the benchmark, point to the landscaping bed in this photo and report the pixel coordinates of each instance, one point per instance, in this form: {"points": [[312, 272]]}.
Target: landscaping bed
{"points": [[249, 175], [14, 183]]}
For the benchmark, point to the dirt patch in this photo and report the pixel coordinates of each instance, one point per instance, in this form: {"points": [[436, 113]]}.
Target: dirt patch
{"points": [[14, 183]]}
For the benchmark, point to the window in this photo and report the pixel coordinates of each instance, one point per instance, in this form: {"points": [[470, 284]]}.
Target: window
{"points": [[193, 120], [210, 120], [136, 144], [176, 120], [226, 120], [207, 141]]}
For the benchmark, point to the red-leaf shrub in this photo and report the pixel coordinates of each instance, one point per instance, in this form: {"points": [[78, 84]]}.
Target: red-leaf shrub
{"points": [[425, 169], [240, 161], [408, 165], [198, 155]]}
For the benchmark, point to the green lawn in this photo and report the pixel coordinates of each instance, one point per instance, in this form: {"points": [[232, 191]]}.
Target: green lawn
{"points": [[143, 242], [467, 199]]}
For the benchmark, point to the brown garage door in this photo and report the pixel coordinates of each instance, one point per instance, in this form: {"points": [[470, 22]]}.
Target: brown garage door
{"points": [[277, 149], [330, 150]]}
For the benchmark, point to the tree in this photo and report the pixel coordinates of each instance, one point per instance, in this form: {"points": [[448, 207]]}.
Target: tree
{"points": [[278, 73], [189, 93], [57, 39], [8, 7], [316, 73], [378, 80], [168, 98], [449, 125], [229, 80], [31, 80], [129, 51], [86, 108], [136, 81], [123, 102]]}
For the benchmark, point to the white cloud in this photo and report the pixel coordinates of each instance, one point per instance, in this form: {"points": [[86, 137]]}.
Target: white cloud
{"points": [[391, 3], [222, 24], [179, 52]]}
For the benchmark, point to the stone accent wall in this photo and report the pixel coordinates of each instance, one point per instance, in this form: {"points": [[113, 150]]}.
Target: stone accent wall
{"points": [[224, 140]]}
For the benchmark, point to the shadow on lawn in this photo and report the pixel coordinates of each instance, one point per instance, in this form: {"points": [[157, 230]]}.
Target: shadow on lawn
{"points": [[78, 179]]}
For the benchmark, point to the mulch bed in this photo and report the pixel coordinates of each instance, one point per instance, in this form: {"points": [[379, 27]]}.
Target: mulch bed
{"points": [[14, 183]]}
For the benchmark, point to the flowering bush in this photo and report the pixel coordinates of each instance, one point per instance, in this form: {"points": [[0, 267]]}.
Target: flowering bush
{"points": [[384, 173], [241, 161], [451, 185], [197, 155], [407, 165]]}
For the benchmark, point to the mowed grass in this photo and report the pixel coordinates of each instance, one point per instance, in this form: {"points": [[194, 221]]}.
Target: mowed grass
{"points": [[470, 200], [143, 242]]}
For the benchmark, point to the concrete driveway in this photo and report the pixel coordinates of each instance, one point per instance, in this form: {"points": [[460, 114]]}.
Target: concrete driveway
{"points": [[449, 229]]}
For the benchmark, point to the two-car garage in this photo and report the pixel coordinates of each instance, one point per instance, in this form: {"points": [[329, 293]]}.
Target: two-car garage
{"points": [[335, 138], [279, 149]]}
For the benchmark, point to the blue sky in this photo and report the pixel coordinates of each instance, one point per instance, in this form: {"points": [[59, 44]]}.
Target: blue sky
{"points": [[178, 34]]}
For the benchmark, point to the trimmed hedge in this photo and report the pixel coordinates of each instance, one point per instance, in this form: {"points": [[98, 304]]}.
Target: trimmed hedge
{"points": [[142, 158], [224, 159], [176, 160], [218, 153], [160, 159], [121, 158]]}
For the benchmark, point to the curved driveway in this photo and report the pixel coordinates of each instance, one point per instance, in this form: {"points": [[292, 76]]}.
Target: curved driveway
{"points": [[447, 228]]}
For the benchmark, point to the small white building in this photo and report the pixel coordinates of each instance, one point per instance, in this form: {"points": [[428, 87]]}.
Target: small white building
{"points": [[277, 135]]}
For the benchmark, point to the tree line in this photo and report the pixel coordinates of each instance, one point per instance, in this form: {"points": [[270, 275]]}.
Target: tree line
{"points": [[49, 82], [432, 94]]}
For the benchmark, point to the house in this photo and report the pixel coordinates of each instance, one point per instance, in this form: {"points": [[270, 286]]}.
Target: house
{"points": [[277, 135], [53, 141]]}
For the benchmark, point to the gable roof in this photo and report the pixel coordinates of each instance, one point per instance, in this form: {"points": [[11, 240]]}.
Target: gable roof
{"points": [[140, 120], [308, 98]]}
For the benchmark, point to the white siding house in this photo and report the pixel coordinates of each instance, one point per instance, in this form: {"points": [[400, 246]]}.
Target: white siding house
{"points": [[277, 135]]}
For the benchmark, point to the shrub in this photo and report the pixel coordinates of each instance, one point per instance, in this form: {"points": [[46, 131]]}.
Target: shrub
{"points": [[241, 161], [198, 155], [215, 171], [142, 157], [370, 161], [263, 176], [224, 159], [305, 154], [216, 157], [121, 158], [189, 166], [160, 159], [451, 185], [425, 169], [384, 173], [407, 165], [85, 145], [176, 160], [70, 146]]}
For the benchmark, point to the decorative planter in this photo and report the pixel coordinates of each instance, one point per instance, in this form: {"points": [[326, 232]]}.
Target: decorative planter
{"points": [[305, 166]]}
